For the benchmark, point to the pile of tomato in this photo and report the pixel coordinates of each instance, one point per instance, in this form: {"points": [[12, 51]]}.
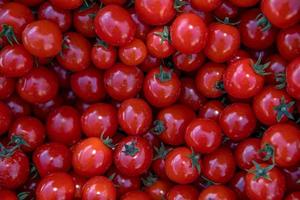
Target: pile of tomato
{"points": [[150, 99]]}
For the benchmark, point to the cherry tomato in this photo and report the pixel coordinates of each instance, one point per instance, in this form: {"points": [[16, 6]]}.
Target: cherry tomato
{"points": [[6, 117], [186, 192], [226, 9], [43, 109], [288, 41], [245, 3], [188, 62], [293, 196], [18, 106], [206, 5], [158, 189], [8, 195], [211, 110], [277, 66], [99, 187], [217, 192], [238, 185], [293, 74], [83, 20], [149, 63], [142, 29], [133, 53], [103, 56], [66, 4], [79, 182], [292, 176], [7, 87]]}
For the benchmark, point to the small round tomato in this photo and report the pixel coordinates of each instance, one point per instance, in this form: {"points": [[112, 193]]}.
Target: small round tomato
{"points": [[183, 166], [206, 5], [288, 42], [238, 184], [18, 106], [157, 189], [54, 186], [83, 20], [79, 182], [142, 29], [63, 125], [188, 33], [66, 4], [217, 192], [237, 121], [75, 54], [99, 119], [211, 110], [188, 62], [149, 63], [219, 166], [159, 161], [239, 55], [91, 157], [277, 66], [207, 17], [203, 135], [133, 53], [38, 86], [6, 118], [293, 196], [222, 42], [118, 29], [103, 56], [226, 9], [99, 187], [123, 82], [88, 85], [265, 182], [15, 61], [292, 78], [161, 87], [186, 192], [133, 156], [155, 12], [8, 195], [52, 157], [244, 3], [135, 116], [272, 106], [136, 195], [7, 87], [31, 130], [285, 142], [209, 80], [42, 38], [62, 18], [292, 176], [43, 109]]}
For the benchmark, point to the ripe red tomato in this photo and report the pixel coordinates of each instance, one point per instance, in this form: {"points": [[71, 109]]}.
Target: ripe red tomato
{"points": [[142, 29], [217, 192], [18, 106], [206, 5], [157, 189], [133, 53], [79, 182], [292, 176], [292, 78], [226, 9], [277, 66], [293, 196], [6, 117], [186, 192], [288, 41], [7, 87], [188, 62], [103, 56], [99, 187], [66, 4], [8, 195], [238, 185], [83, 20], [211, 110]]}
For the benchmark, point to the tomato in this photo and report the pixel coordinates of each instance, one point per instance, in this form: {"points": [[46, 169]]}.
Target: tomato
{"points": [[79, 182], [189, 94], [92, 157], [155, 12], [206, 5], [237, 121], [133, 53], [103, 56], [6, 118], [188, 62], [135, 116], [8, 195], [62, 18], [217, 192], [239, 55], [292, 176], [285, 142], [207, 17], [245, 3], [75, 54], [161, 87], [52, 157], [281, 13], [15, 61], [293, 196], [209, 80], [157, 189], [83, 20], [149, 63], [183, 166], [272, 106], [226, 9], [186, 192], [265, 181], [98, 187], [188, 33], [219, 166], [42, 110], [142, 29], [136, 195], [63, 125], [222, 42], [7, 87], [292, 77], [159, 161], [119, 29], [38, 86], [211, 110], [123, 82], [243, 79], [54, 186], [99, 119], [254, 33], [238, 185], [203, 135], [18, 106], [42, 38], [288, 41], [277, 66], [31, 130], [66, 4]]}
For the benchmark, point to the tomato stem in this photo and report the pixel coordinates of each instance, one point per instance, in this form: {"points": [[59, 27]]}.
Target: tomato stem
{"points": [[164, 35], [101, 43], [131, 149], [163, 76], [261, 172], [178, 4], [107, 141], [269, 152], [283, 109], [263, 22], [260, 68], [23, 195], [227, 21], [149, 180], [195, 160], [9, 34], [158, 127], [86, 4], [280, 78], [161, 152]]}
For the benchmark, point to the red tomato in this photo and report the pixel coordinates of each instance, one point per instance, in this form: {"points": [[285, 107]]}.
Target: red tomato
{"points": [[7, 87], [79, 182], [136, 195], [30, 2], [67, 4], [42, 110], [238, 184], [206, 5], [186, 192], [18, 106], [217, 192], [188, 62], [8, 195], [83, 20], [149, 63], [293, 196], [292, 78], [244, 3], [133, 53], [211, 110], [288, 42], [6, 117], [157, 189], [99, 187], [226, 9], [277, 66], [142, 29], [292, 176], [103, 56]]}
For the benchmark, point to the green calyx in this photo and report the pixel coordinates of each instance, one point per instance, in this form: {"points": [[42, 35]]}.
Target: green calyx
{"points": [[158, 127], [107, 141], [161, 152], [283, 109], [23, 195], [263, 22], [260, 172], [163, 76], [101, 43], [9, 34], [149, 180], [164, 35], [17, 142], [280, 80], [227, 21], [87, 4], [207, 182], [269, 152], [220, 86], [195, 160], [178, 4], [131, 149], [260, 68]]}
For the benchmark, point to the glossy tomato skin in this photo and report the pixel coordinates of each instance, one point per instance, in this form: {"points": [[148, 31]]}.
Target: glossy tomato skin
{"points": [[211, 110], [99, 187], [187, 192], [123, 82], [188, 62], [76, 54], [38, 86], [83, 21], [238, 185], [15, 61], [54, 186], [62, 18], [245, 3], [103, 57], [133, 161], [142, 29], [266, 101], [42, 38], [8, 194], [288, 41], [155, 12], [88, 85], [207, 5], [188, 33], [31, 130], [136, 195], [203, 135], [292, 175], [262, 188], [99, 119], [161, 92], [6, 118], [52, 157], [135, 116], [277, 65], [133, 53], [219, 166], [91, 157], [119, 27], [7, 87], [217, 192], [179, 167], [63, 125], [285, 139], [18, 106], [293, 196], [159, 189], [222, 42], [226, 9], [280, 13], [208, 78], [293, 74], [79, 182], [241, 81], [42, 110], [237, 121], [175, 119], [149, 63], [66, 4]]}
